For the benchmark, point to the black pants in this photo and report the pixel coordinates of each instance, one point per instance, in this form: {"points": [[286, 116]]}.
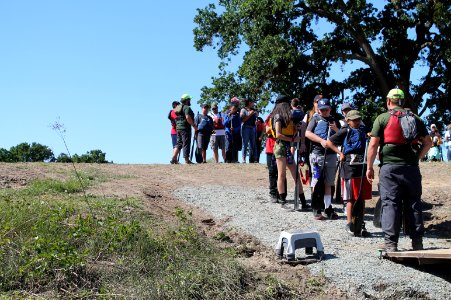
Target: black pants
{"points": [[233, 145], [272, 172], [184, 141], [400, 189]]}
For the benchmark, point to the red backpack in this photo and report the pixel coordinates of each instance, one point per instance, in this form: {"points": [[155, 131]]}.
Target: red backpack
{"points": [[401, 128]]}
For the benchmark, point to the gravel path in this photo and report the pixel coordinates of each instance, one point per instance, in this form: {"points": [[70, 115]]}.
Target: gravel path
{"points": [[351, 263]]}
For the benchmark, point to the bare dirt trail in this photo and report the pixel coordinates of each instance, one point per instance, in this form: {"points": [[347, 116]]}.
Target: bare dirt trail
{"points": [[155, 185]]}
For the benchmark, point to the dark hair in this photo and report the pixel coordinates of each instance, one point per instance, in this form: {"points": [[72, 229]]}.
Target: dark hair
{"points": [[295, 102], [284, 111], [175, 103], [247, 101]]}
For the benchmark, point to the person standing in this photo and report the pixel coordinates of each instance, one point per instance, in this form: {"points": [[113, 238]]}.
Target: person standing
{"points": [[218, 136], [184, 122], [320, 127], [399, 175], [260, 129], [248, 117], [204, 125], [286, 133], [232, 123], [271, 160], [448, 141], [352, 139], [172, 116]]}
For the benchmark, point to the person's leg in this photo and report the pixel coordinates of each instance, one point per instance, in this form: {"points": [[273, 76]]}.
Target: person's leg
{"points": [[449, 153], [245, 132], [214, 147], [221, 144], [178, 146], [252, 146], [228, 148], [272, 175], [281, 176], [391, 206], [186, 138], [331, 169], [412, 205]]}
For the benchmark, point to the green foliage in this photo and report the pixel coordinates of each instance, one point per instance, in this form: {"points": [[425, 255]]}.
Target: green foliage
{"points": [[93, 156], [51, 243], [290, 47], [25, 152]]}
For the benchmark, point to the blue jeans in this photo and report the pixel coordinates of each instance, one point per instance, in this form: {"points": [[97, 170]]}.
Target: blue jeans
{"points": [[249, 135]]}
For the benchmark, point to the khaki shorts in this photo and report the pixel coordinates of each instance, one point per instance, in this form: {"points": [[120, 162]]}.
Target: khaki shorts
{"points": [[282, 150]]}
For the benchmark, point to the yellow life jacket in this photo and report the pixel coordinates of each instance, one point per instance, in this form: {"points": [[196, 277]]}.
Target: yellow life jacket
{"points": [[290, 130]]}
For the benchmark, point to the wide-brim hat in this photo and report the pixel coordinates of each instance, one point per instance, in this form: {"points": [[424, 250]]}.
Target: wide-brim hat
{"points": [[353, 115]]}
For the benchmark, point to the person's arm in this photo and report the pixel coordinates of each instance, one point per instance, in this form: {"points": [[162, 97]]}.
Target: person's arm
{"points": [[371, 156], [190, 121], [245, 117], [334, 148], [314, 138]]}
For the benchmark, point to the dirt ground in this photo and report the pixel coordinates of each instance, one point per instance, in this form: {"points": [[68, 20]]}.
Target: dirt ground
{"points": [[155, 183]]}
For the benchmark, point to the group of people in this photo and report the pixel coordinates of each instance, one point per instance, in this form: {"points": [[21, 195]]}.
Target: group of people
{"points": [[324, 144], [231, 131]]}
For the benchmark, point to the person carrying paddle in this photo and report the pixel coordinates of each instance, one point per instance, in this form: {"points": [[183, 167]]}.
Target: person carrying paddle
{"points": [[285, 133], [320, 127], [352, 138], [399, 175]]}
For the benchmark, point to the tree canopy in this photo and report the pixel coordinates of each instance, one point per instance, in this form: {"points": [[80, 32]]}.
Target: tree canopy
{"points": [[290, 47]]}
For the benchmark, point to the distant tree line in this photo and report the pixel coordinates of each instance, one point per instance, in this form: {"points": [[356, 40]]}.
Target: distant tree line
{"points": [[36, 152]]}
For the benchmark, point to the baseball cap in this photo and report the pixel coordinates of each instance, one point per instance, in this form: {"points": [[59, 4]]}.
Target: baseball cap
{"points": [[395, 95], [205, 105], [282, 99], [323, 103], [214, 105], [185, 97], [433, 125], [345, 106], [353, 115]]}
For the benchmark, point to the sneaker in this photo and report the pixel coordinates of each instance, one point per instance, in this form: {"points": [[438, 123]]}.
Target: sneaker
{"points": [[174, 162], [417, 244], [364, 232], [188, 162], [320, 217], [349, 229]]}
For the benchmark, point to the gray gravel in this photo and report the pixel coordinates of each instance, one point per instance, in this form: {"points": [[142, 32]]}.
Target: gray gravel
{"points": [[350, 263]]}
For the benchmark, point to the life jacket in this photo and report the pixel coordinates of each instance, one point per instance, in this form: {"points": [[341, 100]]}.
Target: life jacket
{"points": [[355, 140], [401, 128], [321, 128], [289, 130], [220, 121]]}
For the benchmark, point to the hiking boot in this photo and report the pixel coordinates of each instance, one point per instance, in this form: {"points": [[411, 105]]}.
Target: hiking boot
{"points": [[274, 198], [389, 247], [174, 162], [417, 244], [349, 229], [188, 162], [283, 198], [331, 214], [304, 205]]}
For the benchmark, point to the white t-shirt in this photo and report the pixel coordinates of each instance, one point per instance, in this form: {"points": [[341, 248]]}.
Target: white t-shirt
{"points": [[217, 117], [448, 138]]}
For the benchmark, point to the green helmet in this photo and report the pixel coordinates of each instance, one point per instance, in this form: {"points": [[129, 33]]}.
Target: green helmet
{"points": [[185, 97]]}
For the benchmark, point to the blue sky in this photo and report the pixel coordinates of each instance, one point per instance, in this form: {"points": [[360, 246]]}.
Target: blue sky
{"points": [[107, 70]]}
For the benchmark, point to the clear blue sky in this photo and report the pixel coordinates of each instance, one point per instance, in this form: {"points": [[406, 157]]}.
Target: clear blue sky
{"points": [[108, 69]]}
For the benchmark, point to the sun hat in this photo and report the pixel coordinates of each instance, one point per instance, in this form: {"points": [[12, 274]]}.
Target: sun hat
{"points": [[323, 103], [395, 95], [353, 115]]}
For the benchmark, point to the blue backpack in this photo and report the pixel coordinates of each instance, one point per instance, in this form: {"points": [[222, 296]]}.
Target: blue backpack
{"points": [[205, 124], [355, 141]]}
